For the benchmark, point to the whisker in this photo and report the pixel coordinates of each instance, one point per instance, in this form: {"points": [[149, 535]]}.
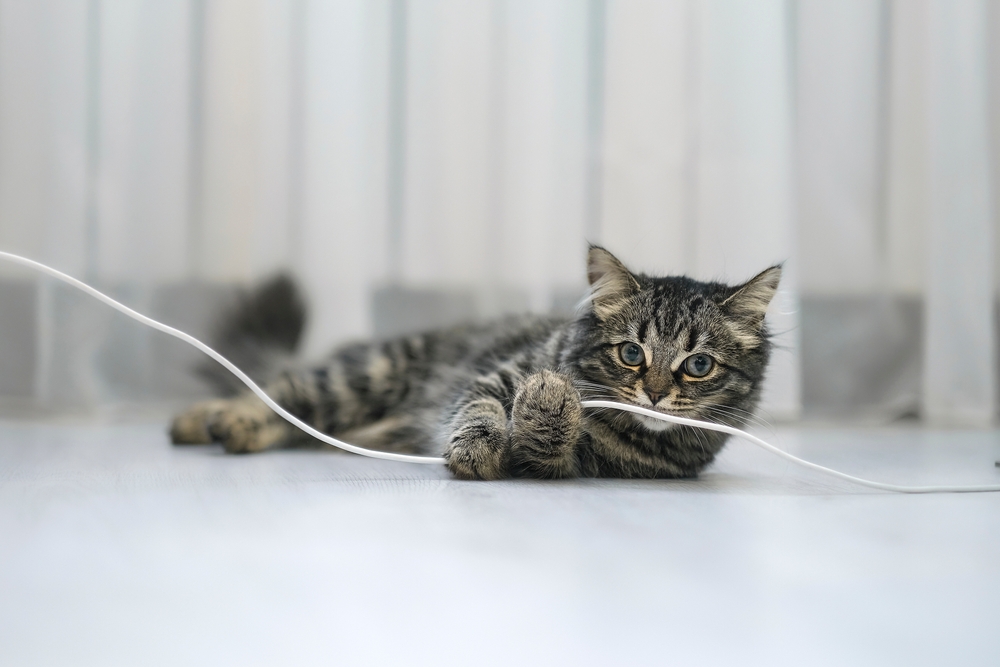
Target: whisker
{"points": [[742, 415], [699, 437], [729, 417], [734, 414], [730, 409], [758, 414]]}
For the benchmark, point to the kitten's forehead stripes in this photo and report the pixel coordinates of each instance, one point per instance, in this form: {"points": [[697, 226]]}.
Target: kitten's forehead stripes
{"points": [[692, 341]]}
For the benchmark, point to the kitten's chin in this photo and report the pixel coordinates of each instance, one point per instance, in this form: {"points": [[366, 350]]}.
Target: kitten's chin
{"points": [[651, 424]]}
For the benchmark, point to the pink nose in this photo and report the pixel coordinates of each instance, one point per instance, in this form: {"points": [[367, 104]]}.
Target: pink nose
{"points": [[653, 396]]}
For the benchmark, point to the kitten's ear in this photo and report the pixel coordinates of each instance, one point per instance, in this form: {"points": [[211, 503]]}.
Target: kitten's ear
{"points": [[610, 282], [749, 301]]}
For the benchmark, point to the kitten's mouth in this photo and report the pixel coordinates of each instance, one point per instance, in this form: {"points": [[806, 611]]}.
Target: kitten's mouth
{"points": [[654, 424]]}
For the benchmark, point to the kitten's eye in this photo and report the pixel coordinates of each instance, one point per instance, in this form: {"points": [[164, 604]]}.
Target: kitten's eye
{"points": [[631, 354], [698, 365]]}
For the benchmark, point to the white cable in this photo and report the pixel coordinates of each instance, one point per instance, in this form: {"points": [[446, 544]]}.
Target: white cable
{"points": [[407, 458], [722, 428], [191, 340]]}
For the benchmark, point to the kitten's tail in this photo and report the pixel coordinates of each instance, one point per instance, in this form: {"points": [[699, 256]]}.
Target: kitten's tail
{"points": [[260, 333]]}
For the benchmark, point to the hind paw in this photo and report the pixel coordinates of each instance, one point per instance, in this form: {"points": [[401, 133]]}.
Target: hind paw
{"points": [[191, 426], [241, 426]]}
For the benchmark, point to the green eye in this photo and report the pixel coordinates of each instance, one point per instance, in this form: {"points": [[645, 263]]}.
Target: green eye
{"points": [[698, 365], [631, 354]]}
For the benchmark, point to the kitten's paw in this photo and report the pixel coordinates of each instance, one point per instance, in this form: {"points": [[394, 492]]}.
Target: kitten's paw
{"points": [[547, 419], [241, 425], [191, 426], [477, 448], [246, 426]]}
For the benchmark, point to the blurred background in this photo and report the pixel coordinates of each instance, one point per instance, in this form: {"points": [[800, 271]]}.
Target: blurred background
{"points": [[419, 162]]}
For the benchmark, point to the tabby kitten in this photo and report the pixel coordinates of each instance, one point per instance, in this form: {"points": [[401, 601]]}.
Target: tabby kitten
{"points": [[503, 399]]}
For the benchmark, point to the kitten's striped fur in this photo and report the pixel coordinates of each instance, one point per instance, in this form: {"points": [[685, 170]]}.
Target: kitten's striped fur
{"points": [[503, 399]]}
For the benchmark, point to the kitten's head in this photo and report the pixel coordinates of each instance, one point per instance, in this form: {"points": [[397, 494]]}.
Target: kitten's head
{"points": [[684, 347]]}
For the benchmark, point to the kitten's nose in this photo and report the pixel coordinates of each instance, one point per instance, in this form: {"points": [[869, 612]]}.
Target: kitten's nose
{"points": [[653, 396]]}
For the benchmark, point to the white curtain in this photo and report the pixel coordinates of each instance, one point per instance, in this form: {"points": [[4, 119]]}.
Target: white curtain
{"points": [[169, 150]]}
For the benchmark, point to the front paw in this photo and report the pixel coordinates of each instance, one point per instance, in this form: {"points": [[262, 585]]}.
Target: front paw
{"points": [[478, 444], [547, 423]]}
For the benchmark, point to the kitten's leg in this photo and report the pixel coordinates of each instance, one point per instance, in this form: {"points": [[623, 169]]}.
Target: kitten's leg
{"points": [[242, 425], [478, 436], [356, 387], [245, 424], [541, 440], [546, 427], [478, 441]]}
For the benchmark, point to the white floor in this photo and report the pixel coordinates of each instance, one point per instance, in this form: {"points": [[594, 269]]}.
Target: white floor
{"points": [[116, 548]]}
